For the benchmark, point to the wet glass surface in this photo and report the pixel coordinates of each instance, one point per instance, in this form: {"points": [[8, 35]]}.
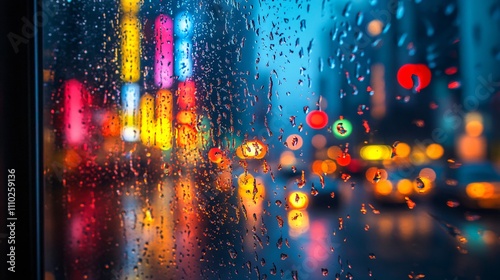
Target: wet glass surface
{"points": [[271, 139]]}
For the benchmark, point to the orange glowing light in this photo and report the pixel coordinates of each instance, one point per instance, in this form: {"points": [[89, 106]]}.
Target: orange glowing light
{"points": [[328, 166], [478, 190], [474, 128], [72, 159], [407, 72], [471, 149], [215, 155], [434, 151], [298, 200], [316, 167], [405, 187], [186, 117], [224, 163], [252, 149], [111, 124], [371, 173], [375, 27], [403, 150], [224, 181], [334, 152], [383, 187], [187, 136]]}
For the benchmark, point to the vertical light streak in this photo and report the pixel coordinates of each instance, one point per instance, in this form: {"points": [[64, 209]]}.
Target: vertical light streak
{"points": [[131, 48], [76, 116], [147, 119], [186, 95], [186, 133], [378, 99], [183, 61], [130, 6], [130, 106], [164, 55], [164, 117]]}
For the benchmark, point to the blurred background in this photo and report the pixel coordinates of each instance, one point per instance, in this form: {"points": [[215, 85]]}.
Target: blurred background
{"points": [[271, 140]]}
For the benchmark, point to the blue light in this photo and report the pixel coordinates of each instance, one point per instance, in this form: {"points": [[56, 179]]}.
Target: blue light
{"points": [[183, 25], [183, 61], [130, 110]]}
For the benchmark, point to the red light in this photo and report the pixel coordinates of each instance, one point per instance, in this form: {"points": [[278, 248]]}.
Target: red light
{"points": [[450, 70], [344, 159], [215, 155], [454, 85], [186, 95], [317, 119], [406, 72]]}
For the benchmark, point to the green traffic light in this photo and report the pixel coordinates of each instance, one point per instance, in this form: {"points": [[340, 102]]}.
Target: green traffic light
{"points": [[342, 128]]}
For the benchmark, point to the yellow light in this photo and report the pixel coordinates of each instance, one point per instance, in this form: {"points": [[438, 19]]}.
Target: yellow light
{"points": [[249, 188], [383, 187], [147, 119], [131, 49], [148, 218], [298, 200], [298, 221], [405, 187], [434, 151], [418, 157], [252, 149], [474, 128], [376, 152], [480, 190], [403, 150], [375, 27], [164, 107], [130, 6]]}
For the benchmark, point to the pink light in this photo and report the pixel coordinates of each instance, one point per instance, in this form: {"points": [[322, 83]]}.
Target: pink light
{"points": [[164, 56], [76, 115]]}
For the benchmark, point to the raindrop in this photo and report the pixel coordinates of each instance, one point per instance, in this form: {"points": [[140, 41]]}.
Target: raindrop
{"points": [[347, 9], [420, 183]]}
